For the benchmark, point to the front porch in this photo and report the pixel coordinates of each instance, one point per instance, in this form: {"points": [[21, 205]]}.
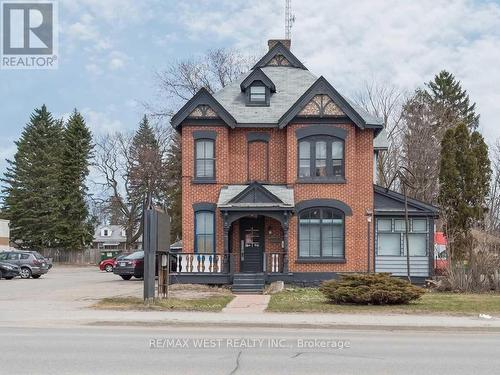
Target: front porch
{"points": [[255, 221]]}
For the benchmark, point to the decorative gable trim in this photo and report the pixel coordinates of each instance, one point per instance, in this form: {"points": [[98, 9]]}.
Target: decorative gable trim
{"points": [[198, 105], [321, 106], [323, 87], [257, 75], [256, 193], [203, 111], [279, 55]]}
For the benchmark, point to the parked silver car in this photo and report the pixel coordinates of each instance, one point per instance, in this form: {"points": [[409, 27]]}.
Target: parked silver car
{"points": [[32, 264]]}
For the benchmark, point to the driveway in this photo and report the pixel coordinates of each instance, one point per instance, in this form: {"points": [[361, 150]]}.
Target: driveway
{"points": [[62, 290]]}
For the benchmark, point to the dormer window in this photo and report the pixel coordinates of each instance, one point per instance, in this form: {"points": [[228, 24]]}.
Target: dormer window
{"points": [[257, 94], [258, 88]]}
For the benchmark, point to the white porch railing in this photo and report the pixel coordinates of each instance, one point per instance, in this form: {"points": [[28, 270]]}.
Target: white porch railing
{"points": [[198, 263]]}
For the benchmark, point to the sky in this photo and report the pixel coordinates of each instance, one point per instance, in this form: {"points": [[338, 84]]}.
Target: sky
{"points": [[109, 51]]}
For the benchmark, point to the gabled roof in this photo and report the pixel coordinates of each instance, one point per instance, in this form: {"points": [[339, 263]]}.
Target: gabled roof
{"points": [[256, 195], [290, 84], [202, 97], [388, 202], [280, 49], [362, 119], [257, 75]]}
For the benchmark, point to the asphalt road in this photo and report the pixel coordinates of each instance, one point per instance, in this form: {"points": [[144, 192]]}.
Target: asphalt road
{"points": [[142, 350]]}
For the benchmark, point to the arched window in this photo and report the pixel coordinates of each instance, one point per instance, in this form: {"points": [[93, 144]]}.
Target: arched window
{"points": [[321, 233], [321, 158], [204, 232]]}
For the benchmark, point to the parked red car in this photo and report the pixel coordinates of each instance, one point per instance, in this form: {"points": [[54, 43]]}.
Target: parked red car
{"points": [[109, 265]]}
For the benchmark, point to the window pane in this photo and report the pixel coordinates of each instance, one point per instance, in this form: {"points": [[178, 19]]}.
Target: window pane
{"points": [[389, 244], [337, 167], [384, 225], [304, 150], [321, 150], [337, 150], [320, 167], [419, 225], [304, 168], [200, 149], [304, 248], [418, 244], [209, 150], [258, 90], [399, 225]]}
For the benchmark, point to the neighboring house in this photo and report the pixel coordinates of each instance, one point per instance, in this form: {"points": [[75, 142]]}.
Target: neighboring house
{"points": [[278, 171], [4, 233], [112, 237]]}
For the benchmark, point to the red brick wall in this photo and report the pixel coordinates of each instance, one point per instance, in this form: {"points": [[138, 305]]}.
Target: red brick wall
{"points": [[357, 193], [232, 168], [257, 161]]}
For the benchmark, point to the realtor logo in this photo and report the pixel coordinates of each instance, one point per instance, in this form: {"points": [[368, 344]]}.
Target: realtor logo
{"points": [[29, 35]]}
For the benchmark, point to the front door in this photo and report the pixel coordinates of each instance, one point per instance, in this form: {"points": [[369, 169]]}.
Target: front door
{"points": [[251, 244]]}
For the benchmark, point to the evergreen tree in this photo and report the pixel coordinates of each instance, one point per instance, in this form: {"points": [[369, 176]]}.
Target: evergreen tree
{"points": [[452, 102], [464, 183], [146, 163], [31, 183], [74, 229], [174, 186]]}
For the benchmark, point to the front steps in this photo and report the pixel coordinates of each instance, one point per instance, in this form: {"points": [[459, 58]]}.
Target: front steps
{"points": [[248, 283]]}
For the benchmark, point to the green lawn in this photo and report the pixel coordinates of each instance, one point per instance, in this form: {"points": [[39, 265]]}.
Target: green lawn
{"points": [[212, 303], [311, 300]]}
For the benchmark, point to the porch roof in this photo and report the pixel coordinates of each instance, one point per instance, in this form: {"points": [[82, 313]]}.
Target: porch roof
{"points": [[257, 196]]}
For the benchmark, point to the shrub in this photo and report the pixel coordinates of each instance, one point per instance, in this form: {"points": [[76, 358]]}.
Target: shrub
{"points": [[370, 289]]}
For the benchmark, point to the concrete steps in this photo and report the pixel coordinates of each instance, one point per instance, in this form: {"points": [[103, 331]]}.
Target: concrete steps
{"points": [[248, 283]]}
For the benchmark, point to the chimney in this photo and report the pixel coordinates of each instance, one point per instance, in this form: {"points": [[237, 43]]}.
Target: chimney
{"points": [[272, 42]]}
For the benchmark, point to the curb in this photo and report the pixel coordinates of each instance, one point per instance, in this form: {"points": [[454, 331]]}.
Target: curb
{"points": [[340, 326]]}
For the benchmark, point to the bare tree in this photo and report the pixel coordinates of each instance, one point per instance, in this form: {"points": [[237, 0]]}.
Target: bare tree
{"points": [[421, 147], [492, 220], [117, 158], [385, 101], [179, 81]]}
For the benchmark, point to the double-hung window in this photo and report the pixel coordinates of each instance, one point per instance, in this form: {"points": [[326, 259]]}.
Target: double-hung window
{"points": [[321, 158], [204, 232], [258, 94], [205, 159]]}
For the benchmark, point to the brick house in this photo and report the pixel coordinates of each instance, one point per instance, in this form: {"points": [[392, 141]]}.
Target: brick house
{"points": [[277, 184]]}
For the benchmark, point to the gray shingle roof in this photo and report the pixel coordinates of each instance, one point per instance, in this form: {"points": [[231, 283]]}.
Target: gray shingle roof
{"points": [[290, 84]]}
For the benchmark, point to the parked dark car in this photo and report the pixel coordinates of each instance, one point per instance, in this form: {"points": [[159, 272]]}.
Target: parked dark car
{"points": [[31, 264], [108, 265], [131, 265], [9, 271]]}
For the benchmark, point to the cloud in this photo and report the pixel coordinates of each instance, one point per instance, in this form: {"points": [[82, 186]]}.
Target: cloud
{"points": [[101, 122], [404, 43]]}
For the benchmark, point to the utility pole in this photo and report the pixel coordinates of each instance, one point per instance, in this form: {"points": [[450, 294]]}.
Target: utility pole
{"points": [[403, 178]]}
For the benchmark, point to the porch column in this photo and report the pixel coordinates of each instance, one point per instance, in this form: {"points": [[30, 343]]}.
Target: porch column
{"points": [[285, 242], [227, 260]]}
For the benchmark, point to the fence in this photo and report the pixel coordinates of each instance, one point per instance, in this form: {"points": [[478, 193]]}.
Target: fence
{"points": [[87, 256]]}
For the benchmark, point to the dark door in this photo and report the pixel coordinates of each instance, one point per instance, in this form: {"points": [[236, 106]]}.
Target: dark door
{"points": [[251, 244]]}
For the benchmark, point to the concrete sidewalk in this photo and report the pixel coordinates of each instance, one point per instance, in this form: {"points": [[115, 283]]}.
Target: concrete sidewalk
{"points": [[88, 316], [247, 304]]}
